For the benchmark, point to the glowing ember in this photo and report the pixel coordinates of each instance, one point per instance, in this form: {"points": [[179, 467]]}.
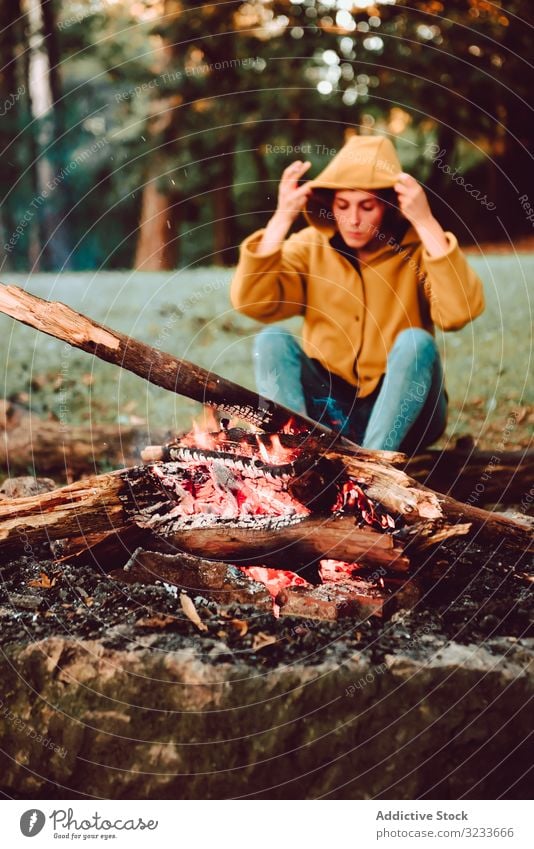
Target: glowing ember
{"points": [[352, 496], [231, 473], [275, 580], [214, 489], [336, 570]]}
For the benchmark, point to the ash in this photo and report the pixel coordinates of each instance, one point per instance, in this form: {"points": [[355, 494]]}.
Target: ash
{"points": [[463, 600]]}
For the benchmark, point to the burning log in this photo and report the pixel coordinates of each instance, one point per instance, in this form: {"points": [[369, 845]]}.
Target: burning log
{"points": [[355, 596], [159, 500]]}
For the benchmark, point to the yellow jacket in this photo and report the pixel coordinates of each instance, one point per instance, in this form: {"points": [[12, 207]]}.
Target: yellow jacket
{"points": [[351, 318]]}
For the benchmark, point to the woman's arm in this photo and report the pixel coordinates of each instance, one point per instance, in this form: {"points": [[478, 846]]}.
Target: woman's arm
{"points": [[291, 199], [269, 281], [413, 204], [452, 288]]}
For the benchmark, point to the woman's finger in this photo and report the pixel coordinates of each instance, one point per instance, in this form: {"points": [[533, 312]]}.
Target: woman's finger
{"points": [[295, 170], [302, 191]]}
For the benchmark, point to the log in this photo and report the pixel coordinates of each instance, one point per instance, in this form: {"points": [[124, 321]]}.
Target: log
{"points": [[48, 447], [172, 373], [103, 505], [478, 477], [435, 517], [228, 584]]}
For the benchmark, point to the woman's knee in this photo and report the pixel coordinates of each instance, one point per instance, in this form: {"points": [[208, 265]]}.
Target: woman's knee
{"points": [[274, 341], [415, 342]]}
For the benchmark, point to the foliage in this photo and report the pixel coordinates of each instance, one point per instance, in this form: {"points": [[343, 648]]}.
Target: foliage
{"points": [[214, 98]]}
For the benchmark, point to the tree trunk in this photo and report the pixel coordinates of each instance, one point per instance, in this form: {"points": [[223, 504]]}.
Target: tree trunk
{"points": [[48, 204], [157, 242], [224, 252]]}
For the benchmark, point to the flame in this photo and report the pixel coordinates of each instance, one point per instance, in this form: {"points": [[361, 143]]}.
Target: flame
{"points": [[292, 427], [205, 433], [272, 451]]}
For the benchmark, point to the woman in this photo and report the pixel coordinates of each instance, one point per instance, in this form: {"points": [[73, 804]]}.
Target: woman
{"points": [[372, 275]]}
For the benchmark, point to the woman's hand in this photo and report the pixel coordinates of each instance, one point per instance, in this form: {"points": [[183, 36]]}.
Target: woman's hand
{"points": [[292, 197], [291, 201], [412, 199], [413, 204]]}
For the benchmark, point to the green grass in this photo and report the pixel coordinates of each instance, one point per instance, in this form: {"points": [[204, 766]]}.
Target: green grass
{"points": [[488, 364]]}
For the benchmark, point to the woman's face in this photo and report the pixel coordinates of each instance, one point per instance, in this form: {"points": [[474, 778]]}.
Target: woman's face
{"points": [[358, 216]]}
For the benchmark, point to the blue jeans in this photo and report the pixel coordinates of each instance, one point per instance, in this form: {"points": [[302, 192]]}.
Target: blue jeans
{"points": [[406, 411]]}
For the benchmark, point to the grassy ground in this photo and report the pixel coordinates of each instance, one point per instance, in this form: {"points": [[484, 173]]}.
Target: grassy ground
{"points": [[488, 364]]}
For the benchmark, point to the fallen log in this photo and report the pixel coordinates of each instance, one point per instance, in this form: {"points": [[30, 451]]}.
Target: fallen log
{"points": [[478, 477], [48, 447]]}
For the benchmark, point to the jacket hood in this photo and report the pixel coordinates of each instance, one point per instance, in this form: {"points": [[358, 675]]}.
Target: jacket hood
{"points": [[364, 162]]}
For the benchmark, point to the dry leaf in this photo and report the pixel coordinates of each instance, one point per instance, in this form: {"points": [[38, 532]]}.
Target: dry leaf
{"points": [[239, 625], [155, 621], [43, 581], [261, 640], [191, 612]]}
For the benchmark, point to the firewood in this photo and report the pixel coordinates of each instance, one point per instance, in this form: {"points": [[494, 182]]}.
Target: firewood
{"points": [[227, 584], [111, 503], [164, 370], [100, 504]]}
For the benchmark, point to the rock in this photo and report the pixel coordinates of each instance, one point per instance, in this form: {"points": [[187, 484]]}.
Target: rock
{"points": [[28, 485], [79, 719]]}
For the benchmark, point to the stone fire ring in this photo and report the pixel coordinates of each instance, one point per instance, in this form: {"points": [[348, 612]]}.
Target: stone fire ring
{"points": [[79, 720]]}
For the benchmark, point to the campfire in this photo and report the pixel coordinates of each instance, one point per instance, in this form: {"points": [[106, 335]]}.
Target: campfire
{"points": [[250, 479], [328, 528], [169, 569]]}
